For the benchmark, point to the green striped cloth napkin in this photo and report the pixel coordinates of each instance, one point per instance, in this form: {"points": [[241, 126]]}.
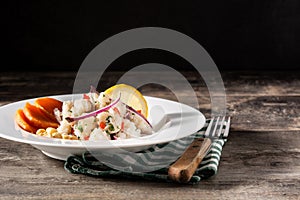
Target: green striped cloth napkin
{"points": [[158, 157]]}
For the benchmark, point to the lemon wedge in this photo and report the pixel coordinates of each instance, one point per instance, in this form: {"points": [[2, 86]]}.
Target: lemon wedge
{"points": [[130, 96]]}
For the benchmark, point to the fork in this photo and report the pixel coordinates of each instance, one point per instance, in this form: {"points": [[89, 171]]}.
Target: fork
{"points": [[184, 168]]}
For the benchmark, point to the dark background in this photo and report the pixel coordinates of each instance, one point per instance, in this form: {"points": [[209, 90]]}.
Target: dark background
{"points": [[238, 34]]}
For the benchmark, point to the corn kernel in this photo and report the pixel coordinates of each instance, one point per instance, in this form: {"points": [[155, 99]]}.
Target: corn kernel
{"points": [[51, 130], [73, 137], [40, 131], [56, 135], [69, 137]]}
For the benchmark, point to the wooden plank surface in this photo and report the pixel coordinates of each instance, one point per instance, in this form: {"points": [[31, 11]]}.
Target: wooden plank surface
{"points": [[250, 96], [261, 160], [253, 165]]}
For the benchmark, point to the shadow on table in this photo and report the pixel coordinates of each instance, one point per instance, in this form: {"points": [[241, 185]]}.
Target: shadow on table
{"points": [[247, 158]]}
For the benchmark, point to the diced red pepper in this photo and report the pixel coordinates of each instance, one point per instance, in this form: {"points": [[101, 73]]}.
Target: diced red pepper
{"points": [[86, 137], [139, 111], [116, 110], [102, 125], [85, 96], [122, 125]]}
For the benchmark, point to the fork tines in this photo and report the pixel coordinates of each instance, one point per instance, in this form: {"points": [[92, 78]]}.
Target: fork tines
{"points": [[218, 127]]}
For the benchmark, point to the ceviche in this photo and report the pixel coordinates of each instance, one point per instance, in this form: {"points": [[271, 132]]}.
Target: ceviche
{"points": [[117, 113]]}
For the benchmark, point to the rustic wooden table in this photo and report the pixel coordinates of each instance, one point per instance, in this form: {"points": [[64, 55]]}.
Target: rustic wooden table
{"points": [[261, 159]]}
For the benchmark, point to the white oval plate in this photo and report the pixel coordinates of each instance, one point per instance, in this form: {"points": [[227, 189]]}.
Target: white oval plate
{"points": [[171, 121]]}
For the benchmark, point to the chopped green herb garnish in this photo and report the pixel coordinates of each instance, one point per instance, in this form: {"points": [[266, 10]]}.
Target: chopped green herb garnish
{"points": [[111, 127], [80, 128]]}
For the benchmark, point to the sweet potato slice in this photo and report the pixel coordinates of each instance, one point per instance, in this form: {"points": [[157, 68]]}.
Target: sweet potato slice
{"points": [[47, 105], [37, 117], [22, 121]]}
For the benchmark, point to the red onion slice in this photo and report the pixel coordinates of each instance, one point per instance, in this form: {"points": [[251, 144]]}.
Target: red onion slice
{"points": [[139, 114], [94, 113], [93, 90]]}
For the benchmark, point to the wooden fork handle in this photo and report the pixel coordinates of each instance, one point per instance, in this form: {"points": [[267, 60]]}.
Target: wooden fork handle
{"points": [[184, 168]]}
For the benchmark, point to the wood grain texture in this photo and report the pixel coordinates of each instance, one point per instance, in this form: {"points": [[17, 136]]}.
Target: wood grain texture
{"points": [[261, 159]]}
